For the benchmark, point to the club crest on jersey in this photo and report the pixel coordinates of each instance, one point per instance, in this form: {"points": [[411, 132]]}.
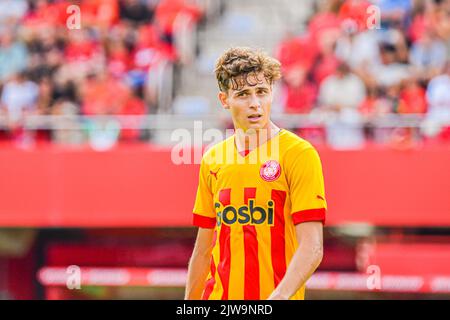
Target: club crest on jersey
{"points": [[270, 171]]}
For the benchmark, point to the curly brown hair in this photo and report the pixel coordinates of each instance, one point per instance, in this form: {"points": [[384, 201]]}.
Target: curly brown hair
{"points": [[239, 66]]}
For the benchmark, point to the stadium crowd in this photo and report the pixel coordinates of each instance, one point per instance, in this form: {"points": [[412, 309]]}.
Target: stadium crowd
{"points": [[110, 64], [357, 68], [346, 64]]}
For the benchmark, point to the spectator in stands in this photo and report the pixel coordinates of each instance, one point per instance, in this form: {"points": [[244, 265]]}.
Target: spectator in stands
{"points": [[343, 90], [45, 95], [419, 21], [428, 56], [96, 94], [297, 56], [44, 14], [66, 107], [340, 95], [326, 23], [148, 59], [395, 17], [390, 72], [134, 105], [356, 11], [117, 57], [357, 48], [373, 104], [11, 11], [46, 53], [301, 92], [96, 100], [81, 54], [99, 13], [438, 97], [412, 98], [439, 19], [327, 62], [135, 11], [296, 50], [167, 12], [18, 99], [394, 12], [13, 55]]}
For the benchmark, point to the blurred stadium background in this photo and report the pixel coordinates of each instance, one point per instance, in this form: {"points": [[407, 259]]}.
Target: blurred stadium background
{"points": [[86, 117]]}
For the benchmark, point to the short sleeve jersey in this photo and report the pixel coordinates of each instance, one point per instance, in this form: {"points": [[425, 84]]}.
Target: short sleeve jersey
{"points": [[254, 202]]}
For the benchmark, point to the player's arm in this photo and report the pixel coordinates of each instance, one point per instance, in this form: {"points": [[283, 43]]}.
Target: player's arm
{"points": [[304, 171], [199, 264], [304, 262], [204, 217]]}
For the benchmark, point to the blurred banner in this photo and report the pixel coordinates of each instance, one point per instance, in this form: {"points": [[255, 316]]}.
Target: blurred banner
{"points": [[139, 186]]}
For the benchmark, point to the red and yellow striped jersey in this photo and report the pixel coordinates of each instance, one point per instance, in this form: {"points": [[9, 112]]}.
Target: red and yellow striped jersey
{"points": [[254, 202]]}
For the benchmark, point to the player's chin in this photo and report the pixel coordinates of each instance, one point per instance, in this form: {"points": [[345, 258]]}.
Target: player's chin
{"points": [[254, 128], [256, 125]]}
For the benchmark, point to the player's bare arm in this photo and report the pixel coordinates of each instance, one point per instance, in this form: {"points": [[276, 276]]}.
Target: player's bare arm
{"points": [[304, 262], [199, 264]]}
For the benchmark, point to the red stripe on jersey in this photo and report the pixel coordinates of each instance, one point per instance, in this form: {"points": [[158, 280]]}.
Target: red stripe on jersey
{"points": [[277, 234], [309, 215], [223, 268], [212, 281], [251, 284], [249, 193], [244, 153], [204, 222], [225, 197]]}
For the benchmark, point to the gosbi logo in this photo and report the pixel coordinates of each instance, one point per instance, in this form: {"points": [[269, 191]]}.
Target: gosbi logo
{"points": [[270, 171], [248, 214]]}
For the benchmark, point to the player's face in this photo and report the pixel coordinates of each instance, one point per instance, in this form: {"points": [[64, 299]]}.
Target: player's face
{"points": [[249, 102]]}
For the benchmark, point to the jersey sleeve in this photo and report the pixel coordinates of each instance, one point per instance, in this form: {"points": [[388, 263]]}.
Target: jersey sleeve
{"points": [[306, 185], [204, 214]]}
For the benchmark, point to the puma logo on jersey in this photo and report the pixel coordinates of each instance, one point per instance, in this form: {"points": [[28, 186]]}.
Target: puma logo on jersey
{"points": [[214, 173]]}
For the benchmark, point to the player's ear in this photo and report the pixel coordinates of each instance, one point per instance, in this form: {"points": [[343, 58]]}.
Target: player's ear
{"points": [[223, 98]]}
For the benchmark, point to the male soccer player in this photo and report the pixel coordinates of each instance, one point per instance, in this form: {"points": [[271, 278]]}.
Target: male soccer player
{"points": [[260, 221]]}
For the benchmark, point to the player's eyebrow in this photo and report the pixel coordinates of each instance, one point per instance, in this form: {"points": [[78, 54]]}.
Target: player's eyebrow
{"points": [[242, 91], [265, 88]]}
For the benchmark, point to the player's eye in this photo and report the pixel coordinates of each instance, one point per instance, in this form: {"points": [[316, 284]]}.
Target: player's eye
{"points": [[242, 94]]}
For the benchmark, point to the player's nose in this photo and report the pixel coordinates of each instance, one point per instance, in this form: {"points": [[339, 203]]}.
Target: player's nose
{"points": [[254, 102]]}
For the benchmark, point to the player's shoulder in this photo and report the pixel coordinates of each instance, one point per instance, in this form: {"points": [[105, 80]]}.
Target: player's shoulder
{"points": [[217, 151], [292, 144]]}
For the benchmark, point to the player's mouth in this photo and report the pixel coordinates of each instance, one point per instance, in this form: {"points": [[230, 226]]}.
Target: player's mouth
{"points": [[254, 117]]}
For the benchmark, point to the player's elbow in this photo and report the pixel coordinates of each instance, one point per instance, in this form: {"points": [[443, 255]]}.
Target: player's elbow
{"points": [[203, 251], [317, 253], [204, 244]]}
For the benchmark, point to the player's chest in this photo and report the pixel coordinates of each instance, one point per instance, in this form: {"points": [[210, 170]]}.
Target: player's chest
{"points": [[264, 176]]}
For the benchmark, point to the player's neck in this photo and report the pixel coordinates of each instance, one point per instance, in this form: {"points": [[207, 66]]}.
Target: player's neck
{"points": [[247, 140]]}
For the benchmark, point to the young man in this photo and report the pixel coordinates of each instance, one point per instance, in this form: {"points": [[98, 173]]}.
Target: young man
{"points": [[260, 221]]}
